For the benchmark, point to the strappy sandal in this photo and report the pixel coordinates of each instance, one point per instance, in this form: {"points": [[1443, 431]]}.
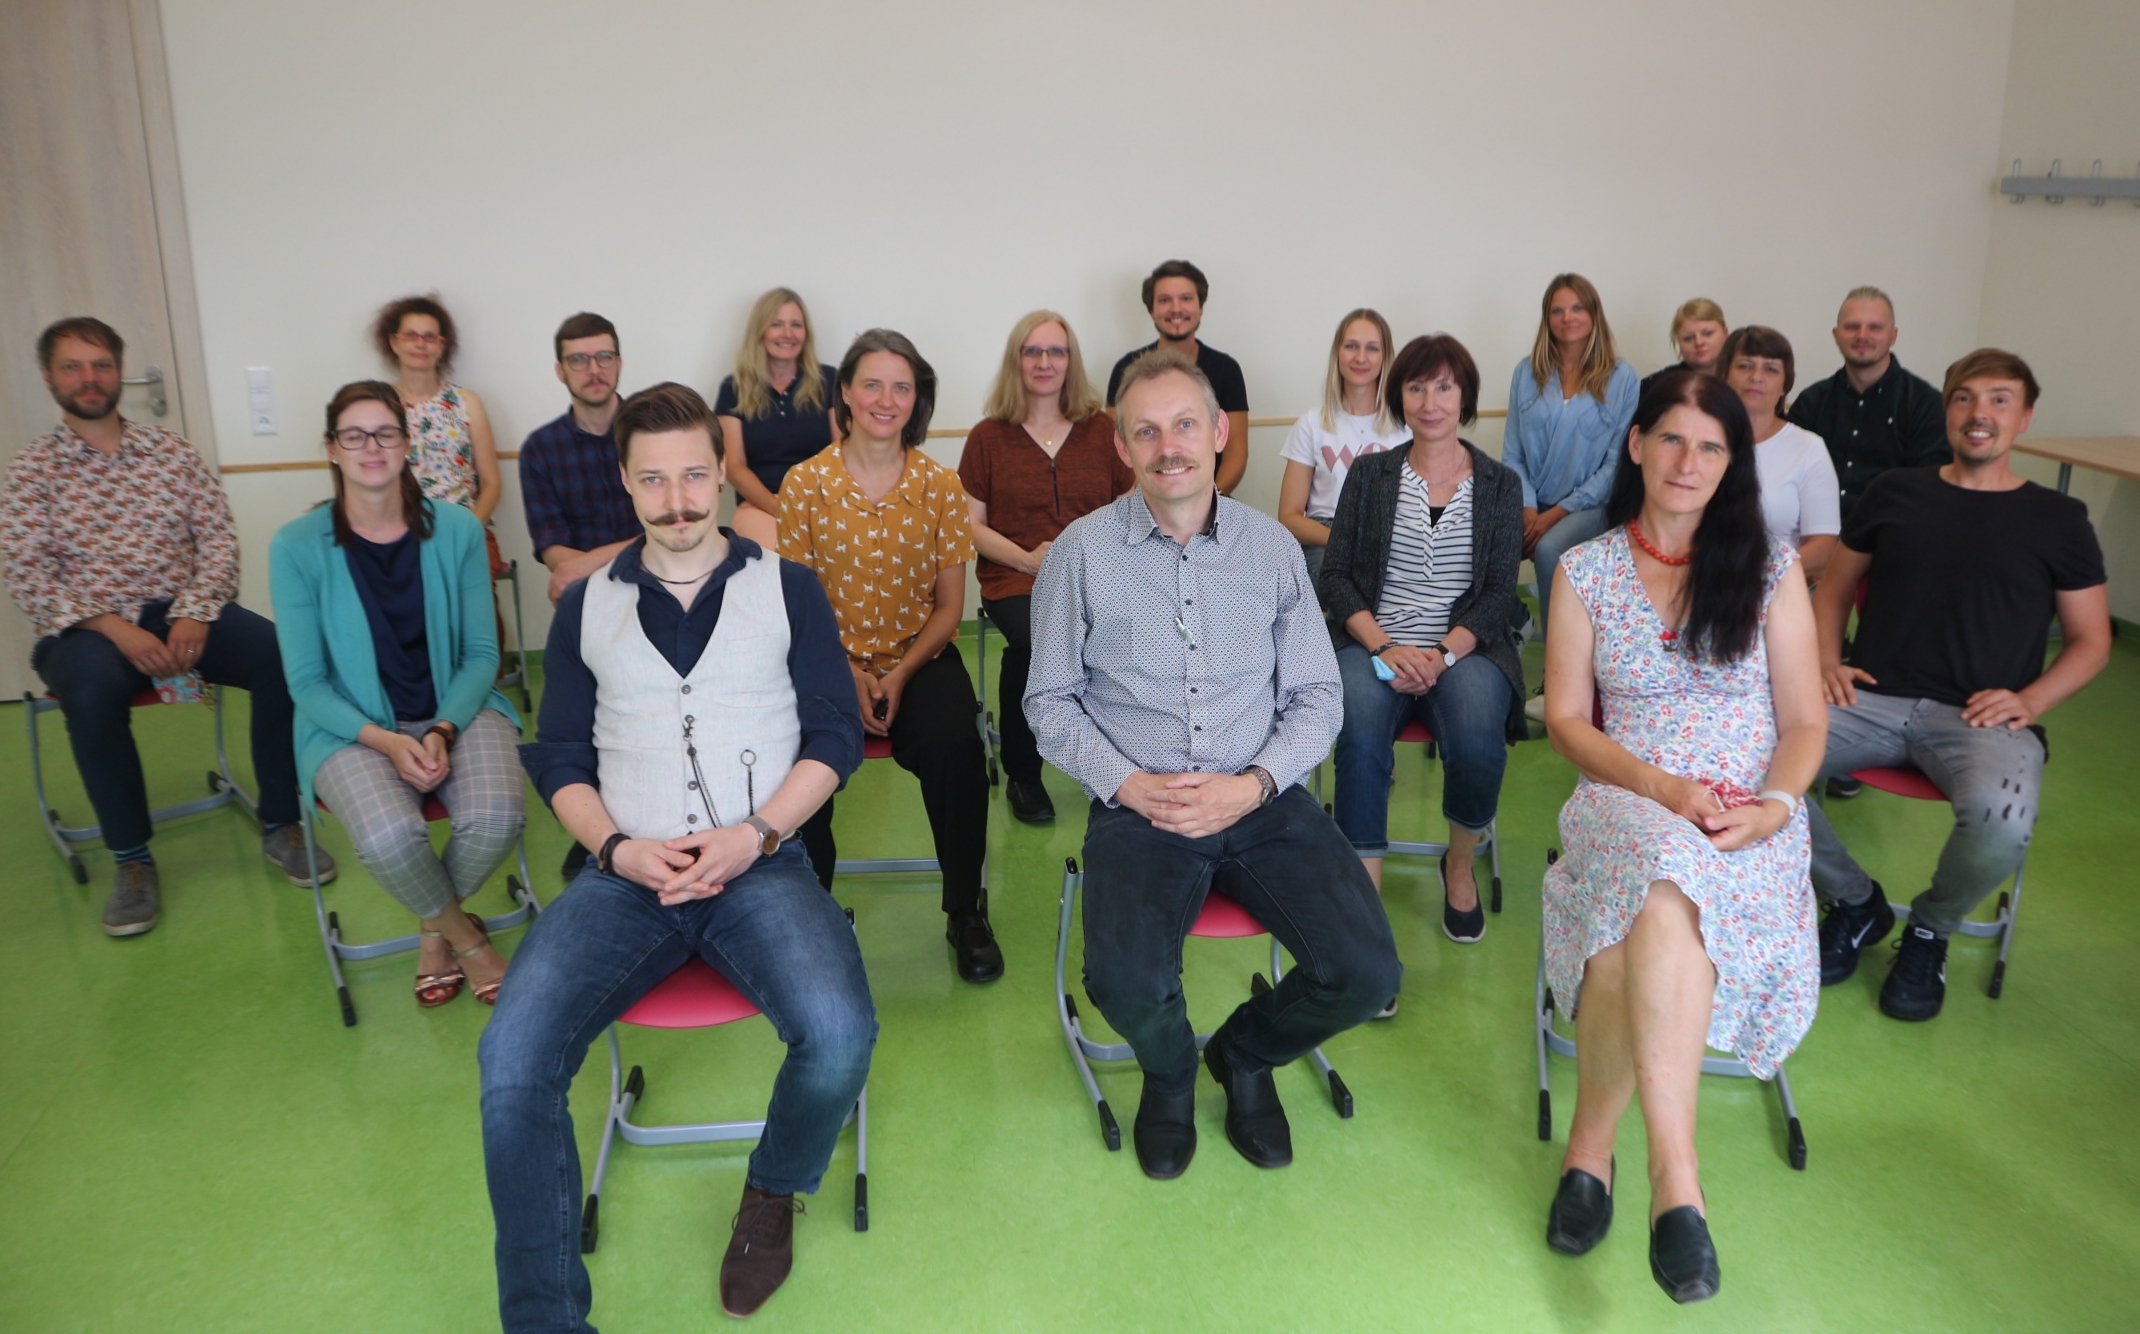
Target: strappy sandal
{"points": [[486, 992], [435, 989]]}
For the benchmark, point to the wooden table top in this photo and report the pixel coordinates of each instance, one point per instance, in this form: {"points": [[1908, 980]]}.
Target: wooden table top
{"points": [[2116, 454]]}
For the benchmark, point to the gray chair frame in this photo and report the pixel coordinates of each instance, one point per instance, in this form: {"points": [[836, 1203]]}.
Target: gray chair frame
{"points": [[1551, 1039], [1085, 1050], [1490, 842], [991, 736], [223, 786], [518, 677]]}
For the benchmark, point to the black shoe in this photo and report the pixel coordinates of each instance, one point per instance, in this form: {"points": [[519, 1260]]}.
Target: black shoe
{"points": [[1917, 985], [575, 862], [1682, 1258], [1255, 1119], [974, 942], [1165, 1133], [1848, 928], [1581, 1212], [1844, 787], [1467, 927], [1029, 801]]}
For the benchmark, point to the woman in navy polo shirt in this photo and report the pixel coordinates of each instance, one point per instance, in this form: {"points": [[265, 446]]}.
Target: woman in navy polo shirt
{"points": [[775, 410]]}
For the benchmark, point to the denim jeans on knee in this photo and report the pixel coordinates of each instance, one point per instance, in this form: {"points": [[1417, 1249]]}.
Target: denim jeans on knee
{"points": [[1467, 711], [1578, 527], [602, 945], [1992, 778]]}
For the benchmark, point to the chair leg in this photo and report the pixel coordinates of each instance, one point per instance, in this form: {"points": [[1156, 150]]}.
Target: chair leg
{"points": [[862, 1161], [330, 926], [1340, 1095], [1066, 1011]]}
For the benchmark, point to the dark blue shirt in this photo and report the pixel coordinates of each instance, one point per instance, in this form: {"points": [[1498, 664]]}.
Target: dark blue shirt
{"points": [[563, 750], [787, 434], [390, 581], [573, 490]]}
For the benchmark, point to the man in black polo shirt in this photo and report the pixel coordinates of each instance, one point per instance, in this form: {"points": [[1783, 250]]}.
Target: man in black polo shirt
{"points": [[1965, 565], [1873, 414], [1174, 297]]}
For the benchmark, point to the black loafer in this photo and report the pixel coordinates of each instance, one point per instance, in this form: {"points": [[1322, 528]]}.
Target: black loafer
{"points": [[1165, 1133], [1029, 802], [1682, 1257], [1255, 1119], [979, 958], [1581, 1212], [1467, 927]]}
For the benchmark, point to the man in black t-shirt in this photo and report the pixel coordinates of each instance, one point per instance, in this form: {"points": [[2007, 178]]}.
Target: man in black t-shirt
{"points": [[1174, 297], [1964, 566]]}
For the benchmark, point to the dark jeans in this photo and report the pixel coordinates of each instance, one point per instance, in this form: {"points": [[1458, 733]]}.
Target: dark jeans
{"points": [[1014, 617], [96, 686], [602, 945], [933, 738], [1467, 711], [1291, 869]]}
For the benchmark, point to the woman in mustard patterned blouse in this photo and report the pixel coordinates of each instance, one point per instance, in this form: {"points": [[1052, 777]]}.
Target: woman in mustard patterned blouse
{"points": [[887, 530]]}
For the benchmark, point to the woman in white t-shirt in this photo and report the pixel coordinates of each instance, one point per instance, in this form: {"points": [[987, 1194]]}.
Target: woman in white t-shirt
{"points": [[1799, 497], [1354, 420]]}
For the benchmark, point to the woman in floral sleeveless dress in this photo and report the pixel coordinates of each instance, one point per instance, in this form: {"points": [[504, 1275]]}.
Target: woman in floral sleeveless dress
{"points": [[1681, 914], [451, 449]]}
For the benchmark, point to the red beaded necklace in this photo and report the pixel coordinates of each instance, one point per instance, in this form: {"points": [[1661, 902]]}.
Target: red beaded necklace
{"points": [[1634, 530]]}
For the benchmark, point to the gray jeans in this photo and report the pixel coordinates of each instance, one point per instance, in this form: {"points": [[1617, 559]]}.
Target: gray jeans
{"points": [[483, 793], [1991, 776]]}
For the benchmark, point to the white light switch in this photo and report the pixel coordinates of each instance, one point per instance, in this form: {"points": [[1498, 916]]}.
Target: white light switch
{"points": [[260, 399]]}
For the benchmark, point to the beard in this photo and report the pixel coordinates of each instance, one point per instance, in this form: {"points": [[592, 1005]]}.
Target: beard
{"points": [[74, 405], [608, 392]]}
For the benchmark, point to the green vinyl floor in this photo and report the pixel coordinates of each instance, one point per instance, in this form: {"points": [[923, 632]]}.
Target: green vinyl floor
{"points": [[191, 1140]]}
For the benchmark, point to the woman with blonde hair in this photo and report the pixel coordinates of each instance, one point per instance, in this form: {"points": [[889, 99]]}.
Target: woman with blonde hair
{"points": [[1698, 333], [1043, 454], [1353, 422], [775, 409], [1569, 404]]}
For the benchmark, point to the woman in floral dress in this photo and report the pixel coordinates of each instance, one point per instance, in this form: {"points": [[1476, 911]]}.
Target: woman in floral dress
{"points": [[1681, 915], [451, 450]]}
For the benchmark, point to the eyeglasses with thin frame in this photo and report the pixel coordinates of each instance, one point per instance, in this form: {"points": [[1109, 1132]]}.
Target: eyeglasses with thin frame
{"points": [[420, 337], [1033, 353], [580, 361], [386, 439]]}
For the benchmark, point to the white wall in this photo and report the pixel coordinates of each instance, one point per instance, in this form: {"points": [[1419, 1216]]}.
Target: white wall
{"points": [[943, 169], [2061, 279]]}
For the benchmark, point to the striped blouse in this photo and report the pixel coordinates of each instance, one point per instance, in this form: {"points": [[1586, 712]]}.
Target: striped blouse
{"points": [[1429, 563]]}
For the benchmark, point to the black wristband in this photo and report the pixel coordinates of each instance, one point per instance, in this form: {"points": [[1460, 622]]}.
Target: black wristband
{"points": [[609, 848], [1386, 647]]}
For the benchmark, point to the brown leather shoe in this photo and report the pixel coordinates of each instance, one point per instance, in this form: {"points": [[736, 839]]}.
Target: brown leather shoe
{"points": [[760, 1253]]}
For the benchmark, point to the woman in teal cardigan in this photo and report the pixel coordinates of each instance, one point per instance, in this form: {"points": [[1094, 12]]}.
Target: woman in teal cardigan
{"points": [[383, 612]]}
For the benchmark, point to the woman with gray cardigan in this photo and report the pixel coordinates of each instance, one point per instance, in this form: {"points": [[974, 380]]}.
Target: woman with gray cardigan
{"points": [[1420, 574]]}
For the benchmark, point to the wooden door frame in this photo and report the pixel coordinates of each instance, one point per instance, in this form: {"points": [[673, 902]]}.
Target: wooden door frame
{"points": [[152, 72]]}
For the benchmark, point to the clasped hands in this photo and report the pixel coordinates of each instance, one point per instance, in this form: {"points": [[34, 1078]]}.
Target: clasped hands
{"points": [[696, 866], [1417, 668], [1728, 830], [1194, 805]]}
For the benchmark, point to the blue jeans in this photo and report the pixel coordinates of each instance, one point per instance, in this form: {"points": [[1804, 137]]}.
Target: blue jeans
{"points": [[774, 933], [1578, 527], [1467, 711], [1287, 865], [96, 686], [1992, 777]]}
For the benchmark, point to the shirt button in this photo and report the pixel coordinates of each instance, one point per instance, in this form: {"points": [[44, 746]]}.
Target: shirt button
{"points": [[1196, 768], [687, 690], [689, 719], [1199, 727], [1192, 690], [691, 819], [691, 786]]}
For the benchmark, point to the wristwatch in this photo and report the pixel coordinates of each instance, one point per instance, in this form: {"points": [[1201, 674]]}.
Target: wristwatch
{"points": [[1263, 780], [1441, 646], [768, 837]]}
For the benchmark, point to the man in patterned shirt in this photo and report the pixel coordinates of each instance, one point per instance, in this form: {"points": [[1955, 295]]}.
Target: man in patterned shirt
{"points": [[1182, 674], [121, 551]]}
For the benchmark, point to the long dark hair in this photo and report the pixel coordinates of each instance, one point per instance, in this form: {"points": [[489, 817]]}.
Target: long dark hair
{"points": [[414, 508], [1724, 581]]}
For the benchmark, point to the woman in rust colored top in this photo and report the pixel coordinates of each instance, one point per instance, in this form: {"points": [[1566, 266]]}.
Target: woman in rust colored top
{"points": [[1043, 455]]}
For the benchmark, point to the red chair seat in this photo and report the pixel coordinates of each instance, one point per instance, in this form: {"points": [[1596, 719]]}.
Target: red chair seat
{"points": [[1415, 730], [434, 809], [876, 748], [1223, 919], [1903, 782], [142, 698], [694, 996]]}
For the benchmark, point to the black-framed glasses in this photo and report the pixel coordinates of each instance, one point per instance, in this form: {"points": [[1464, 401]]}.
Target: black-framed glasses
{"points": [[386, 439], [580, 361]]}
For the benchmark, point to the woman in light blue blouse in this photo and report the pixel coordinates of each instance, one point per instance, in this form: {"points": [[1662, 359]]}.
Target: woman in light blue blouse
{"points": [[1569, 405]]}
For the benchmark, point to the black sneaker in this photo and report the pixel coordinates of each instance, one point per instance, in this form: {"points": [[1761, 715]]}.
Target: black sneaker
{"points": [[1029, 802], [1849, 928], [1843, 787], [1917, 986]]}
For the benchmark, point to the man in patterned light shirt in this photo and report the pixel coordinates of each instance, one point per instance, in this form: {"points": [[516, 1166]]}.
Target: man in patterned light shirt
{"points": [[121, 551], [1183, 676]]}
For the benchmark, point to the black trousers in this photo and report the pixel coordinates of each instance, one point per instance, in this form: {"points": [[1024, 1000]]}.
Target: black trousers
{"points": [[935, 738], [1014, 617]]}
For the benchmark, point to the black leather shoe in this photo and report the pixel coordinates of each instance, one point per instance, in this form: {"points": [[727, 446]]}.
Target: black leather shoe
{"points": [[1029, 802], [1581, 1212], [1165, 1133], [974, 943], [1255, 1119], [1682, 1258], [1467, 927]]}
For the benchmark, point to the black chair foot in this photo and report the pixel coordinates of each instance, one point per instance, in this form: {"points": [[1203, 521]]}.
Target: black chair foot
{"points": [[1110, 1130], [635, 1084], [590, 1225], [349, 1009], [1798, 1146], [1257, 985], [1497, 894], [1545, 1116], [1998, 978], [861, 1201], [81, 872], [1340, 1097]]}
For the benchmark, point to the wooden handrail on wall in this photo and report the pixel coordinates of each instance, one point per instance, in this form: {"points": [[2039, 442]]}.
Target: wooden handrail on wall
{"points": [[940, 433]]}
